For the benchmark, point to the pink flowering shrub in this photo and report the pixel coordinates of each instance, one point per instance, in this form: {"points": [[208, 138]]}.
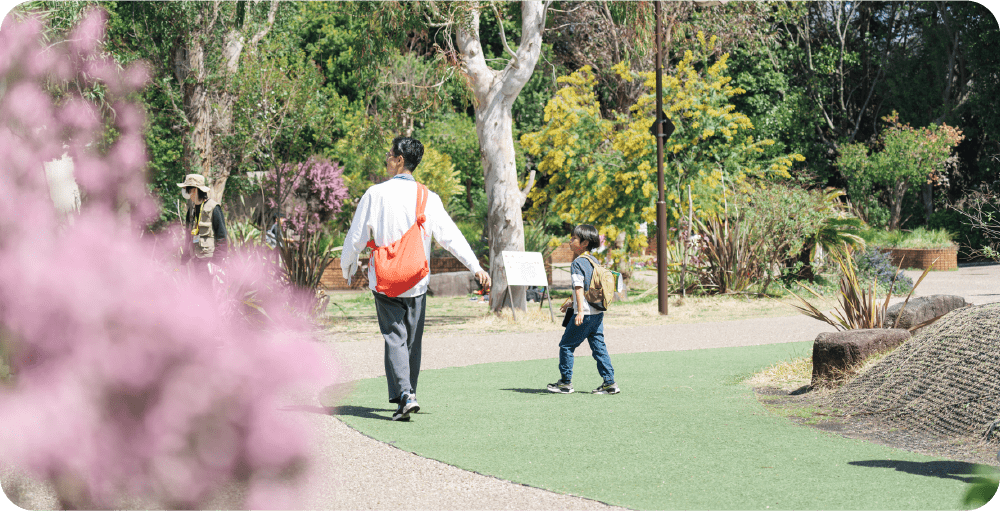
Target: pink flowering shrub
{"points": [[129, 380], [313, 191]]}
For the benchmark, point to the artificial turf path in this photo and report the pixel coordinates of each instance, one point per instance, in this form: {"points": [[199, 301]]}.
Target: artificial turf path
{"points": [[685, 433]]}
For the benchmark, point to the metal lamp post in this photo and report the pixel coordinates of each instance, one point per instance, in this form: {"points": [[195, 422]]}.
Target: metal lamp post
{"points": [[661, 205]]}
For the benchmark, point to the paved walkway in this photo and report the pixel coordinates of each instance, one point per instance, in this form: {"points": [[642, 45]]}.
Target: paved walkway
{"points": [[357, 472]]}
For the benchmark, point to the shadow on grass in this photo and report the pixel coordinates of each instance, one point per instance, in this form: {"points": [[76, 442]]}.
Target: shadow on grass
{"points": [[363, 411], [941, 469], [529, 391]]}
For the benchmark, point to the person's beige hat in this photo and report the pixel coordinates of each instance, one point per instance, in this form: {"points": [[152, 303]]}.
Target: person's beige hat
{"points": [[195, 180]]}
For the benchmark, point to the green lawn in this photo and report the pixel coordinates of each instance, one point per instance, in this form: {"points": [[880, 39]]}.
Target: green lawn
{"points": [[685, 433]]}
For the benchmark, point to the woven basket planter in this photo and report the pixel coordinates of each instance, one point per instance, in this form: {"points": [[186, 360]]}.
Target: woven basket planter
{"points": [[923, 258]]}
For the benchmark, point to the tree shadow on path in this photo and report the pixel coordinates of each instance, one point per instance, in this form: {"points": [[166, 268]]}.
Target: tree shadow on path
{"points": [[942, 469]]}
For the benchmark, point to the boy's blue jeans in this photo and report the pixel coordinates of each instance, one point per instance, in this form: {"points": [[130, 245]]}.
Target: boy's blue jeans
{"points": [[591, 329]]}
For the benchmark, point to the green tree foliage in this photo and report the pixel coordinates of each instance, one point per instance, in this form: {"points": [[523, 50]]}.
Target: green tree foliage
{"points": [[903, 156], [786, 220], [166, 154], [437, 172], [278, 117], [934, 62], [194, 50], [603, 171], [454, 134], [328, 33], [780, 109], [410, 89]]}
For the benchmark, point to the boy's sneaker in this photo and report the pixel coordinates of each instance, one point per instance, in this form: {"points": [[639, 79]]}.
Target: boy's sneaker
{"points": [[407, 405], [607, 388], [560, 387]]}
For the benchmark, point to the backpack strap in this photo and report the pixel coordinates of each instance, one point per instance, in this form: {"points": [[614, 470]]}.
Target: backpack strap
{"points": [[593, 260], [422, 195]]}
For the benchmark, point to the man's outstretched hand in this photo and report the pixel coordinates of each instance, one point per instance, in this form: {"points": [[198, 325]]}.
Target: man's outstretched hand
{"points": [[484, 279]]}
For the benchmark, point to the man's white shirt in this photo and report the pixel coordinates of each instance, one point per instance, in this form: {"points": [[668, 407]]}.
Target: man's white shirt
{"points": [[386, 212]]}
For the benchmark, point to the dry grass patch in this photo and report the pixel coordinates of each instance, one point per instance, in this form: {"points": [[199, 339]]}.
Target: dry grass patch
{"points": [[841, 376], [352, 315], [793, 374], [787, 375]]}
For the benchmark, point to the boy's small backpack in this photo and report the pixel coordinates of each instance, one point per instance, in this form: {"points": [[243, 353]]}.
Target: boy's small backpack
{"points": [[603, 285]]}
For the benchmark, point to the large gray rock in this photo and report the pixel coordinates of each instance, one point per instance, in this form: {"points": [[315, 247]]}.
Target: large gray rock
{"points": [[458, 283], [925, 308], [836, 353]]}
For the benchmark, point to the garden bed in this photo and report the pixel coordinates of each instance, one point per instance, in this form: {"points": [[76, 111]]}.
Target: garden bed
{"points": [[941, 259], [920, 248]]}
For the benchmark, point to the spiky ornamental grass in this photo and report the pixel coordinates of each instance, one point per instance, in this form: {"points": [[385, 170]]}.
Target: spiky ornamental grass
{"points": [[129, 380], [859, 305]]}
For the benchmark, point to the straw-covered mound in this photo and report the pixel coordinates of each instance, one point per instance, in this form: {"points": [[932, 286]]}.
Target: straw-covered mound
{"points": [[945, 380]]}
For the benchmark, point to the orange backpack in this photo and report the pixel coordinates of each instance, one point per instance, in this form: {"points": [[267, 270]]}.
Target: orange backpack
{"points": [[401, 264]]}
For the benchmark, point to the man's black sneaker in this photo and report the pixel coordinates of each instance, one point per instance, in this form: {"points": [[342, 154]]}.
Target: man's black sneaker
{"points": [[409, 402], [399, 415], [560, 387], [607, 388], [407, 405]]}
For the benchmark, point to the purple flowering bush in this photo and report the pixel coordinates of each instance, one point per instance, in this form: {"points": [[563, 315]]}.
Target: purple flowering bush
{"points": [[313, 191], [128, 380]]}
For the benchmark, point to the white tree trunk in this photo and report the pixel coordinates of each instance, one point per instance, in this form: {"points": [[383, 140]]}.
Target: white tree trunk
{"points": [[495, 92]]}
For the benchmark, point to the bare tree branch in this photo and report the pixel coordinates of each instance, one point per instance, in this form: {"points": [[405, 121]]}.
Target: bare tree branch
{"points": [[503, 36], [527, 187], [267, 26]]}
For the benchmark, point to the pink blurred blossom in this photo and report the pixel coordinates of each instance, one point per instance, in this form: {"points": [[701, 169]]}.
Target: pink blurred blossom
{"points": [[130, 379]]}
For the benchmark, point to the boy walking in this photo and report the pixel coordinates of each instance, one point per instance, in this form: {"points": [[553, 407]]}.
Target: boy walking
{"points": [[586, 321]]}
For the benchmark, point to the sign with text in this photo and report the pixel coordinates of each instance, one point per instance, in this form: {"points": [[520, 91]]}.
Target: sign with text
{"points": [[524, 268]]}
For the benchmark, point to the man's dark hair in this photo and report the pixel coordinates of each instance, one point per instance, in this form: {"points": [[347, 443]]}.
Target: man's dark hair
{"points": [[202, 194], [410, 149], [588, 234]]}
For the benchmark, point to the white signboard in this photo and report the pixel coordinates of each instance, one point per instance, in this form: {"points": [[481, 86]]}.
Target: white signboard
{"points": [[524, 268]]}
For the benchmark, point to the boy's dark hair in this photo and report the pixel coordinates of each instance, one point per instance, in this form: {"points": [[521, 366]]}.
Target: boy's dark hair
{"points": [[410, 149], [588, 233]]}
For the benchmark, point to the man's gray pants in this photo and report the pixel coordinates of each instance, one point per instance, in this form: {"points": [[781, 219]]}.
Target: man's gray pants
{"points": [[401, 321]]}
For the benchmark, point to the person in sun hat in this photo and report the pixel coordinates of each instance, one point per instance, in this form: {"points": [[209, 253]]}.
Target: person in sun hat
{"points": [[205, 225]]}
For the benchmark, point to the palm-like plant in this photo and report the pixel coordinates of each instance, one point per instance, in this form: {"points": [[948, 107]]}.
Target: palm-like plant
{"points": [[839, 229], [836, 233], [859, 306]]}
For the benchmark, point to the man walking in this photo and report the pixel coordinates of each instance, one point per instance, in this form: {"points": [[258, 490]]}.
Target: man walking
{"points": [[384, 214]]}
